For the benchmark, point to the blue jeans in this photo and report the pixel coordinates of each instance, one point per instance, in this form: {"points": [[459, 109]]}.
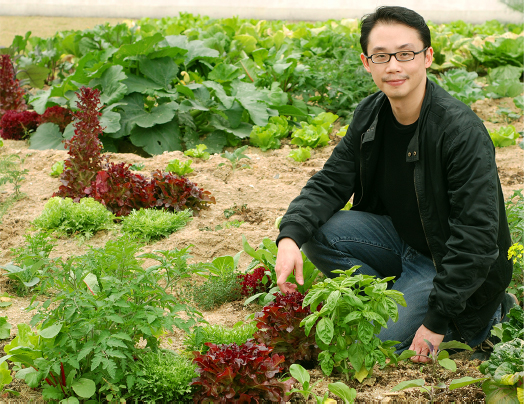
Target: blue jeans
{"points": [[358, 238]]}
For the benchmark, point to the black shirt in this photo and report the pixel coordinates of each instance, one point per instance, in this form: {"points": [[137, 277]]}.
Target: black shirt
{"points": [[396, 185]]}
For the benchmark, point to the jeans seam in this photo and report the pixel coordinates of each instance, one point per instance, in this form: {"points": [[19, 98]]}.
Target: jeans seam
{"points": [[335, 241]]}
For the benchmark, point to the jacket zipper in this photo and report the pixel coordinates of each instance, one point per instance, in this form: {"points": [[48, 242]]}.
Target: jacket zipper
{"points": [[422, 220], [360, 174]]}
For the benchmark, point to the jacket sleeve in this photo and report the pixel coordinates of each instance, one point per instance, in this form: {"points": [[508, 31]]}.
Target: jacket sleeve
{"points": [[323, 195], [472, 181]]}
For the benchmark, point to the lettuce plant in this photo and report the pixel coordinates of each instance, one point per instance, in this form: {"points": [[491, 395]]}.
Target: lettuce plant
{"points": [[67, 217], [268, 137], [17, 125], [301, 154], [57, 169], [255, 282], [279, 327], [310, 135], [218, 335], [11, 94], [198, 152], [504, 136], [179, 168], [85, 159], [239, 374], [58, 115], [152, 224]]}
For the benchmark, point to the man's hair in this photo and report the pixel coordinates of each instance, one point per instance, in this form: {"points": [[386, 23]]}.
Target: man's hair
{"points": [[393, 15]]}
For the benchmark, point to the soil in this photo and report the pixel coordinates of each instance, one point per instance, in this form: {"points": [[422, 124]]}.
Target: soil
{"points": [[260, 193]]}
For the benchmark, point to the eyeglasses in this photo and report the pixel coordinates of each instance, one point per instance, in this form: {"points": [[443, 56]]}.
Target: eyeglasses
{"points": [[402, 56]]}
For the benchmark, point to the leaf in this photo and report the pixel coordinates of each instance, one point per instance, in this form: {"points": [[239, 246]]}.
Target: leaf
{"points": [[138, 84], [409, 383], [136, 113], [449, 364], [110, 121], [223, 73], [5, 328], [299, 373], [225, 99], [365, 331], [325, 330], [361, 374], [141, 47], [252, 100], [162, 71], [454, 345], [51, 332], [464, 381], [69, 400], [47, 136], [343, 391], [85, 388], [111, 83], [158, 139]]}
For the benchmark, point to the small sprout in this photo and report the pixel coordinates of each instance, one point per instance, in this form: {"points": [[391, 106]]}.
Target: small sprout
{"points": [[198, 152], [342, 131], [57, 169], [137, 167], [301, 154], [235, 157], [179, 168]]}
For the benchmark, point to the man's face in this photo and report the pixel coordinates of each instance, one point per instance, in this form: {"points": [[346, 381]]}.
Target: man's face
{"points": [[398, 80]]}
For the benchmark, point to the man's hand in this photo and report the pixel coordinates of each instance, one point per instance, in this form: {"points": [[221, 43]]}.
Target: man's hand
{"points": [[419, 345], [289, 259]]}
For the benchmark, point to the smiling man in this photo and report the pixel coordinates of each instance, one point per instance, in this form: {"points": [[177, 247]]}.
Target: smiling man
{"points": [[428, 208]]}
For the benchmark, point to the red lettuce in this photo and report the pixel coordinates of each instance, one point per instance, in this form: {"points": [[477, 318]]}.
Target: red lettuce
{"points": [[252, 283], [239, 374], [279, 328], [11, 94], [16, 125], [58, 115], [85, 159]]}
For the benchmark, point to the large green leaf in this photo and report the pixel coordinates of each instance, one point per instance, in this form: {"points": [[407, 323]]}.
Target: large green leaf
{"points": [[137, 84], [85, 388], [224, 72], [464, 381], [215, 141], [158, 139], [325, 330], [195, 49], [248, 96], [225, 99], [162, 70], [52, 331], [5, 328], [35, 75], [409, 383], [136, 114], [47, 136], [110, 121], [111, 83], [139, 48], [246, 43]]}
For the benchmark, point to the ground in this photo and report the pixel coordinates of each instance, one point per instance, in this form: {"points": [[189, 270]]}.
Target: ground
{"points": [[264, 190]]}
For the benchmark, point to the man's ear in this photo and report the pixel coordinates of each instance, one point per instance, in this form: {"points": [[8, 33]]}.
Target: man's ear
{"points": [[365, 62], [428, 58]]}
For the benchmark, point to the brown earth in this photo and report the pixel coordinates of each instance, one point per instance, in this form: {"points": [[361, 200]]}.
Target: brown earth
{"points": [[265, 189]]}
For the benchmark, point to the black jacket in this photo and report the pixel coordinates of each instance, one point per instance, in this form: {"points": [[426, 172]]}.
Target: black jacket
{"points": [[460, 201]]}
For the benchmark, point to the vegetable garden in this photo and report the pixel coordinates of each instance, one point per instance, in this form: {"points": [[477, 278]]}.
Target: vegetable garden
{"points": [[142, 169]]}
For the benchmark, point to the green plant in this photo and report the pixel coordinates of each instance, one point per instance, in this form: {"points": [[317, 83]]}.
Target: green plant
{"points": [[137, 167], [460, 84], [310, 135], [507, 115], [266, 255], [235, 157], [439, 356], [505, 370], [217, 290], [31, 268], [198, 152], [11, 171], [339, 389], [504, 136], [180, 168], [151, 224], [519, 102], [224, 225], [512, 329], [355, 308], [219, 335], [504, 82], [98, 318], [268, 137], [57, 169], [301, 154], [162, 376], [67, 217], [5, 328]]}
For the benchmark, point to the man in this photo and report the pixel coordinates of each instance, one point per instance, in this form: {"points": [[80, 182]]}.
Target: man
{"points": [[427, 203]]}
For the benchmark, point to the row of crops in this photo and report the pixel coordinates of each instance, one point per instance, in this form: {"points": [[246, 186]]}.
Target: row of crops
{"points": [[174, 83]]}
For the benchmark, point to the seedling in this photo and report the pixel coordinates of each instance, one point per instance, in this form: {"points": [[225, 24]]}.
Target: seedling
{"points": [[57, 169], [235, 157], [198, 152], [11, 171], [137, 167], [179, 168], [301, 154], [339, 389], [439, 357]]}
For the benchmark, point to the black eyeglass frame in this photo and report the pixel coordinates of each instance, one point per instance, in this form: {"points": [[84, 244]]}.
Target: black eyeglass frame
{"points": [[395, 54]]}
